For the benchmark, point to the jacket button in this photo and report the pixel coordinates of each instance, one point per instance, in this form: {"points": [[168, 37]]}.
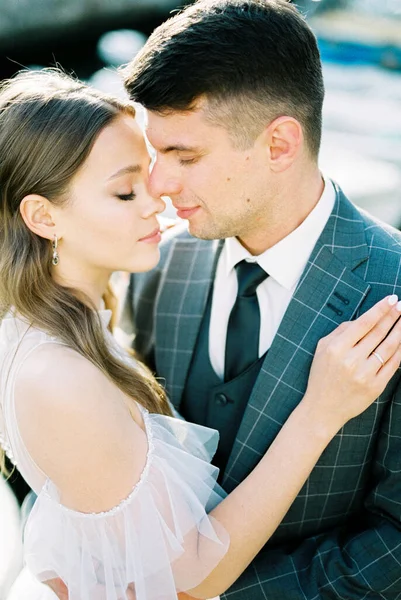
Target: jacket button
{"points": [[221, 399]]}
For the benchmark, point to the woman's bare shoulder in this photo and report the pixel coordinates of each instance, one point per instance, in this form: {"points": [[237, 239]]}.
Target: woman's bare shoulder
{"points": [[76, 425]]}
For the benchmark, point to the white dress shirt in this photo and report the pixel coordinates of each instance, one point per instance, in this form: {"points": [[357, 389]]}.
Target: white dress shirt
{"points": [[284, 262]]}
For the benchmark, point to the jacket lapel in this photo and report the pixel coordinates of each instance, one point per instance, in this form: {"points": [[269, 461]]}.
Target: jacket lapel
{"points": [[184, 290], [329, 292]]}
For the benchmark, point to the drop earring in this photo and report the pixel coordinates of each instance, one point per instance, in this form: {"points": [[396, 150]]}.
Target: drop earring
{"points": [[56, 258]]}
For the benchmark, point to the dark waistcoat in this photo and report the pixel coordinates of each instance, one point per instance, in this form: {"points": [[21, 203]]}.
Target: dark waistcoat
{"points": [[214, 403]]}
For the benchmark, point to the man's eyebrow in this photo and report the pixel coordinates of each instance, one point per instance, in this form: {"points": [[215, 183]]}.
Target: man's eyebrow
{"points": [[125, 170], [178, 148]]}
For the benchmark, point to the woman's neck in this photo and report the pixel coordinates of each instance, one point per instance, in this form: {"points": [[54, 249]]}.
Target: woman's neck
{"points": [[92, 285]]}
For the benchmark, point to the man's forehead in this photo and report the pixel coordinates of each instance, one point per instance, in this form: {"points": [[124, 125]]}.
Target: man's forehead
{"points": [[176, 130]]}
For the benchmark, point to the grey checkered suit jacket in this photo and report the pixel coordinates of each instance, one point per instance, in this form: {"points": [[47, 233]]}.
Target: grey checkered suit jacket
{"points": [[342, 536]]}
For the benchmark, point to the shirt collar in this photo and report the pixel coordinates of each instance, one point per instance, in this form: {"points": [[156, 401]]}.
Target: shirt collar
{"points": [[286, 260]]}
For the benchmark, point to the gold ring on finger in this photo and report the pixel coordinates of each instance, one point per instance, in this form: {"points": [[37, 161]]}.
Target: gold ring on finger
{"points": [[379, 358]]}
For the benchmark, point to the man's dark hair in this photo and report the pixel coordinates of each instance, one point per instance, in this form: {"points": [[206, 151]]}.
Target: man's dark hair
{"points": [[251, 60]]}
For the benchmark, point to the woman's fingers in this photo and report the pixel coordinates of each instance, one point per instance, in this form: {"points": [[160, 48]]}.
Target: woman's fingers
{"points": [[389, 369], [346, 375], [100, 593], [356, 330], [58, 586], [385, 351], [131, 592], [379, 332]]}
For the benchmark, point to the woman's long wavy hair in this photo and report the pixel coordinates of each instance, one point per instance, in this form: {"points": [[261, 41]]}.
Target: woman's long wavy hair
{"points": [[48, 125]]}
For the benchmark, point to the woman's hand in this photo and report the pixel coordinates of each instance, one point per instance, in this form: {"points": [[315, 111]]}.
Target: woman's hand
{"points": [[60, 589], [353, 364]]}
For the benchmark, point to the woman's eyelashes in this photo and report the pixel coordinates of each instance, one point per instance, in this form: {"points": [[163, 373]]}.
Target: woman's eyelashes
{"points": [[126, 197]]}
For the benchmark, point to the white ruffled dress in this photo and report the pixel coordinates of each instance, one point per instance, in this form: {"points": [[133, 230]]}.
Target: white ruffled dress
{"points": [[149, 543]]}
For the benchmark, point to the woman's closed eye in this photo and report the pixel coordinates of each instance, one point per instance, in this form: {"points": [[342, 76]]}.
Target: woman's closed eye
{"points": [[127, 197]]}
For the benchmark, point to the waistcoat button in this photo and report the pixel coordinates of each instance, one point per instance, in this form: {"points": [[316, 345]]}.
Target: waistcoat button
{"points": [[221, 399]]}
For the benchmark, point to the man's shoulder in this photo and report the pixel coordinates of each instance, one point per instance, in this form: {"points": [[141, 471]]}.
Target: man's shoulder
{"points": [[379, 235], [382, 269], [359, 220]]}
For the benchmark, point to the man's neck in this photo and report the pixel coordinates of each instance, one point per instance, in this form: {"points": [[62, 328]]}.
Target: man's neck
{"points": [[292, 208]]}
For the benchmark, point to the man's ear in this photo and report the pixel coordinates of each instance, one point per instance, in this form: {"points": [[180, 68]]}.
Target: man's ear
{"points": [[284, 139], [36, 212]]}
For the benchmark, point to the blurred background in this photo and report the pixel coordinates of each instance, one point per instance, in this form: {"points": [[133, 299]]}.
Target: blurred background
{"points": [[360, 44]]}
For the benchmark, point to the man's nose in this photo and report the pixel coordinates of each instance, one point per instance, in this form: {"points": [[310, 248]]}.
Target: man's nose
{"points": [[162, 181]]}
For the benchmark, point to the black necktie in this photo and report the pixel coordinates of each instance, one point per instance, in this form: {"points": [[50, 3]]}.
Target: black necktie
{"points": [[242, 342]]}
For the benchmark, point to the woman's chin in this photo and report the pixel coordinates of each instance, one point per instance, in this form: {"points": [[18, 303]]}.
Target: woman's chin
{"points": [[143, 263]]}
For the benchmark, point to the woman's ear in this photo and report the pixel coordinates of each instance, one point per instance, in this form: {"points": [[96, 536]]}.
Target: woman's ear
{"points": [[284, 137], [36, 212]]}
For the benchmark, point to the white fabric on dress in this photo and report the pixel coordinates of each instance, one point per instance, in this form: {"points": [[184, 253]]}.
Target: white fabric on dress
{"points": [[158, 541]]}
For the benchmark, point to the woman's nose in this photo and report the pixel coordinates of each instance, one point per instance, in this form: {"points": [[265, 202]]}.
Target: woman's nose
{"points": [[154, 206]]}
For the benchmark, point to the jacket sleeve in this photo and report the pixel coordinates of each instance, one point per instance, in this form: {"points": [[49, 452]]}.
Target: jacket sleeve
{"points": [[360, 560]]}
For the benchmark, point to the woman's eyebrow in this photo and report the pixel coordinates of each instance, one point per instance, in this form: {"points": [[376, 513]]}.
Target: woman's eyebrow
{"points": [[125, 170]]}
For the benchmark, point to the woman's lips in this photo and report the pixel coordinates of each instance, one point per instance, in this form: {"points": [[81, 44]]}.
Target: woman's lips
{"points": [[186, 213], [152, 238]]}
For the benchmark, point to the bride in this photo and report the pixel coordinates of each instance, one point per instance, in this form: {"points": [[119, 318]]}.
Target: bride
{"points": [[128, 505]]}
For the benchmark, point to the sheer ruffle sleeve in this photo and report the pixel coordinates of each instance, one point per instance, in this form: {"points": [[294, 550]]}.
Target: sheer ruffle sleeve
{"points": [[157, 542]]}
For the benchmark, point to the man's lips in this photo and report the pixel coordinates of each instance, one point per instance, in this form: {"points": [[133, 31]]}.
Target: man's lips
{"points": [[154, 236], [185, 212]]}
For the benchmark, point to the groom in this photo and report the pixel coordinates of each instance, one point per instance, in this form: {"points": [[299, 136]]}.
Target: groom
{"points": [[276, 257]]}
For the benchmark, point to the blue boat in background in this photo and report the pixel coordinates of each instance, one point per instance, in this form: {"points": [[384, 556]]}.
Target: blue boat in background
{"points": [[364, 32]]}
